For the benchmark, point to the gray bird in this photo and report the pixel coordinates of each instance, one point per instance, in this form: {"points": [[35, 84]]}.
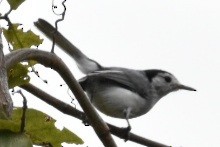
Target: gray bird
{"points": [[126, 93], [121, 92], [117, 92]]}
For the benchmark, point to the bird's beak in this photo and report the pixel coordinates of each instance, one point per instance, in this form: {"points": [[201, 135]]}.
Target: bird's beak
{"points": [[185, 87]]}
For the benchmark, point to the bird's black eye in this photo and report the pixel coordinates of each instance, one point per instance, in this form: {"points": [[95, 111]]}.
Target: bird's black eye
{"points": [[167, 79]]}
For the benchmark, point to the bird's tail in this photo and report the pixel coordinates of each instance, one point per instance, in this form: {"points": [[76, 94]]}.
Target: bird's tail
{"points": [[85, 64]]}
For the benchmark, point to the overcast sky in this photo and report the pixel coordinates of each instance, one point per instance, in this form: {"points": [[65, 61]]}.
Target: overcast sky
{"points": [[182, 37]]}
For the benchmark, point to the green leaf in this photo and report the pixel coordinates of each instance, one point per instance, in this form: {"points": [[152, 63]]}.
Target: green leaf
{"points": [[18, 75], [15, 3], [12, 139], [40, 127], [2, 114], [20, 39], [32, 63]]}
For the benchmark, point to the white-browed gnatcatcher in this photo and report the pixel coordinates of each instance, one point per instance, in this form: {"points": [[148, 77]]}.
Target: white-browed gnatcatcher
{"points": [[124, 93]]}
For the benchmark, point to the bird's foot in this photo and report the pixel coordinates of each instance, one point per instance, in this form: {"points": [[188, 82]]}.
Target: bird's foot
{"points": [[85, 121], [127, 133]]}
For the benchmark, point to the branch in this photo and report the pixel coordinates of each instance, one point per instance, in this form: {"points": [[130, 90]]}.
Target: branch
{"points": [[58, 104], [69, 110], [6, 104], [51, 60], [23, 117]]}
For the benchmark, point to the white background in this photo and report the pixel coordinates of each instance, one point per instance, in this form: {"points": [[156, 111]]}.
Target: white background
{"points": [[182, 37]]}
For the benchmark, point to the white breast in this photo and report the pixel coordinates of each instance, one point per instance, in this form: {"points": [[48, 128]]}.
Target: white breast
{"points": [[112, 101]]}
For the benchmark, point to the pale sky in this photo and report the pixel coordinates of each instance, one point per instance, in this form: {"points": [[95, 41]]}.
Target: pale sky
{"points": [[182, 37]]}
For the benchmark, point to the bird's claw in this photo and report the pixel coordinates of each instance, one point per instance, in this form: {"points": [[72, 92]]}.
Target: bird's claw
{"points": [[127, 133], [85, 121]]}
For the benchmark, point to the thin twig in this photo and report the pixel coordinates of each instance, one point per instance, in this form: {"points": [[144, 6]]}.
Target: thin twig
{"points": [[5, 16], [23, 117], [56, 24]]}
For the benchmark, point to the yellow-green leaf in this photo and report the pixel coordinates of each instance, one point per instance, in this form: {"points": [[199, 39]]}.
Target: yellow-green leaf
{"points": [[12, 139], [18, 75], [3, 115], [32, 62], [40, 127], [20, 39], [15, 3]]}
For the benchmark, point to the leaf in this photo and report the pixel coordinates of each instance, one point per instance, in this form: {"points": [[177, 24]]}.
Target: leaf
{"points": [[40, 127], [32, 63], [15, 3], [12, 139], [12, 124], [18, 75], [2, 114], [20, 39]]}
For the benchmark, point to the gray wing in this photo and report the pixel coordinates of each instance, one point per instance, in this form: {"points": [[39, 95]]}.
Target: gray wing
{"points": [[130, 79]]}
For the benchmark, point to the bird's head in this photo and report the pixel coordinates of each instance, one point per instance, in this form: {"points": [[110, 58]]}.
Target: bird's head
{"points": [[164, 82]]}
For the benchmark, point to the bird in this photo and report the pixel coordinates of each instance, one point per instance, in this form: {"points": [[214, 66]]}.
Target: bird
{"points": [[115, 91], [127, 93], [122, 92]]}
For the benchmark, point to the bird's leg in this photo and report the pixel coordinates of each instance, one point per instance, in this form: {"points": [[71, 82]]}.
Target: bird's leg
{"points": [[127, 113], [128, 129]]}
